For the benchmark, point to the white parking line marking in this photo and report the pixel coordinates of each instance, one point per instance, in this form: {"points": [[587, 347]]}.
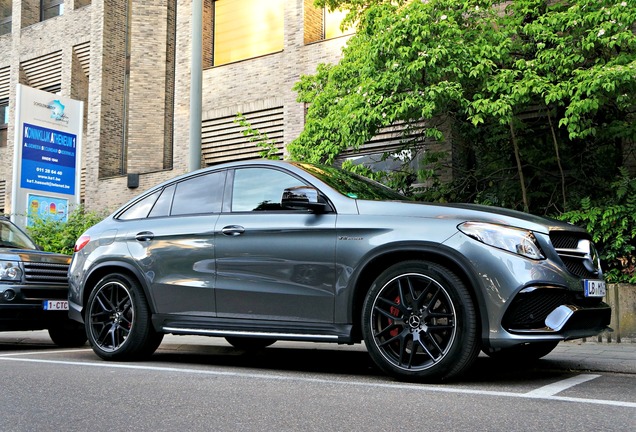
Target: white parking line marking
{"points": [[22, 353], [559, 386], [273, 377]]}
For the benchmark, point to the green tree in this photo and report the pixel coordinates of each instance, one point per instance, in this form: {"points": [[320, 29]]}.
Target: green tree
{"points": [[540, 93], [60, 237]]}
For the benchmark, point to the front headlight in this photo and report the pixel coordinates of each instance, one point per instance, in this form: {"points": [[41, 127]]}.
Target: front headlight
{"points": [[515, 240], [10, 271]]}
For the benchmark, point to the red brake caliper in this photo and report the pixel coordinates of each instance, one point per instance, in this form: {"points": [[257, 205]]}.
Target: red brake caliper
{"points": [[395, 312]]}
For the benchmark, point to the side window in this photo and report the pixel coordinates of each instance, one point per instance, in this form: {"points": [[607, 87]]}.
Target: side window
{"points": [[140, 209], [260, 189], [164, 203], [201, 194]]}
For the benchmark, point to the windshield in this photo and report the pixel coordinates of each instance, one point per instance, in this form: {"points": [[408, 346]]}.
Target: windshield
{"points": [[352, 185], [12, 237]]}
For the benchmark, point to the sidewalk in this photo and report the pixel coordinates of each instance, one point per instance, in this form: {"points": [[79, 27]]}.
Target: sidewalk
{"points": [[573, 355], [595, 356]]}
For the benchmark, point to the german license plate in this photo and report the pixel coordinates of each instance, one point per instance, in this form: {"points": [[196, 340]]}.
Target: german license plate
{"points": [[594, 288], [55, 305]]}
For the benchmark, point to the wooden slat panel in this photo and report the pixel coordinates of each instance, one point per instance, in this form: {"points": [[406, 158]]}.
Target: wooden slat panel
{"points": [[83, 53], [3, 195], [45, 71], [388, 139], [222, 138], [5, 81]]}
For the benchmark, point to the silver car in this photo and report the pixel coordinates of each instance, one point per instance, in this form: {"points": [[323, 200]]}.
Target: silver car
{"points": [[261, 251]]}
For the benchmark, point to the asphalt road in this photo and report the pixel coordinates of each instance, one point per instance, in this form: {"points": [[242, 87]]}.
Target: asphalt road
{"points": [[202, 384]]}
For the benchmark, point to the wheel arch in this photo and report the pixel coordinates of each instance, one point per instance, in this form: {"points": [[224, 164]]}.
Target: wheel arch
{"points": [[380, 260], [105, 268]]}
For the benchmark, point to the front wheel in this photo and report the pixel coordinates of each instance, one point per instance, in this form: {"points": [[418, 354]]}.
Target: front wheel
{"points": [[118, 320], [419, 323]]}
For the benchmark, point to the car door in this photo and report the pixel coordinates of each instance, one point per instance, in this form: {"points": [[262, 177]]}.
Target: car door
{"points": [[273, 264], [174, 245]]}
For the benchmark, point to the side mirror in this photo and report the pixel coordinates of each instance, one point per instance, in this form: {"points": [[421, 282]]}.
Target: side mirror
{"points": [[302, 198]]}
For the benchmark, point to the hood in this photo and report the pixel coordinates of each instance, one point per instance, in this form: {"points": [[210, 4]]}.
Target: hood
{"points": [[30, 255], [466, 212]]}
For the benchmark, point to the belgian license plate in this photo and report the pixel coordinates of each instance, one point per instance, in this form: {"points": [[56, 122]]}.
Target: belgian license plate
{"points": [[594, 288], [55, 305]]}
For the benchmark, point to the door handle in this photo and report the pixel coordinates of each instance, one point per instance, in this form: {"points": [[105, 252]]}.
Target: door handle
{"points": [[233, 230], [144, 236]]}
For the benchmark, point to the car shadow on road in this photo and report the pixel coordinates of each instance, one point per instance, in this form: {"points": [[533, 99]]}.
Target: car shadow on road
{"points": [[340, 362]]}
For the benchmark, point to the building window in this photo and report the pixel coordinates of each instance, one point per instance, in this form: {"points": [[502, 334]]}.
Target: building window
{"points": [[6, 7], [247, 28], [4, 122], [81, 3], [51, 9], [332, 21], [321, 24]]}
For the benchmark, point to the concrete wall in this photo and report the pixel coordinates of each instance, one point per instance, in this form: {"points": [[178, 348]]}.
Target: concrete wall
{"points": [[622, 299]]}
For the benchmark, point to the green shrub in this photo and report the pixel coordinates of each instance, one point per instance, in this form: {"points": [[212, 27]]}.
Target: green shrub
{"points": [[57, 236], [612, 223]]}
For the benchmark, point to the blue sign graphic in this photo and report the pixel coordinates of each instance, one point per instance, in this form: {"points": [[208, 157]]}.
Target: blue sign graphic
{"points": [[48, 160]]}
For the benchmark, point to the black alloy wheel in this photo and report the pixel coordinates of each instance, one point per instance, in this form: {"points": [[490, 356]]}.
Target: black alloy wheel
{"points": [[419, 322], [118, 320]]}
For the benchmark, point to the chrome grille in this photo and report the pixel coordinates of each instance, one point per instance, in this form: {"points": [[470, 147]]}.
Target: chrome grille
{"points": [[45, 273]]}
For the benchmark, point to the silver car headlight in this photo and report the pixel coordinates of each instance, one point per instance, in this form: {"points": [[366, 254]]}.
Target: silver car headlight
{"points": [[516, 240], [10, 271]]}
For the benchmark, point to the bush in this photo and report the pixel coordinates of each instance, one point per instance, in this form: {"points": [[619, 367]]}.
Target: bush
{"points": [[612, 224], [57, 236]]}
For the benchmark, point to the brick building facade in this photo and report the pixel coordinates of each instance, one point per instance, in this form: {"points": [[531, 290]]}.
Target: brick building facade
{"points": [[129, 61]]}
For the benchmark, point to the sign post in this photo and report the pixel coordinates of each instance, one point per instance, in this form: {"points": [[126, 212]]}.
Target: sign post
{"points": [[47, 156]]}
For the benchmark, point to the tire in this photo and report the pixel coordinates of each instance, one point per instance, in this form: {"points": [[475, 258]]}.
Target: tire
{"points": [[118, 322], [71, 334], [249, 343], [419, 323], [523, 353]]}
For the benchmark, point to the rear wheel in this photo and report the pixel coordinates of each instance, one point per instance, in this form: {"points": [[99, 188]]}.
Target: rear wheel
{"points": [[249, 343], [419, 322], [523, 353], [118, 320]]}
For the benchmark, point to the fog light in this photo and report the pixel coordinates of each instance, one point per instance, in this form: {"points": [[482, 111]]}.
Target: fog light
{"points": [[9, 295]]}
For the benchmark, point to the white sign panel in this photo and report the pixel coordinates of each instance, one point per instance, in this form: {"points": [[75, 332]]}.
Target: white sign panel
{"points": [[48, 137]]}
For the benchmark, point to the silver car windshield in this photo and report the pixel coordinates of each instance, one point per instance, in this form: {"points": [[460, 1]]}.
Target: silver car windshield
{"points": [[352, 185], [12, 237]]}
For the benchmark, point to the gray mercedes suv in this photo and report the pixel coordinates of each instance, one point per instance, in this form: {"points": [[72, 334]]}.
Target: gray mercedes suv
{"points": [[261, 251]]}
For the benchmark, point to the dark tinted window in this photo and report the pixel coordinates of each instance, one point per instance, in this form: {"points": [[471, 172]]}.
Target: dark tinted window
{"points": [[201, 194], [257, 189], [164, 203], [140, 209]]}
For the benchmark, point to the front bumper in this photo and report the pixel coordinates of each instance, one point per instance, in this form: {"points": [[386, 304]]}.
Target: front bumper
{"points": [[528, 301], [556, 311], [22, 308]]}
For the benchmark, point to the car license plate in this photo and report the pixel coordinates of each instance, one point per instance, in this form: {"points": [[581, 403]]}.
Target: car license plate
{"points": [[594, 288], [55, 305]]}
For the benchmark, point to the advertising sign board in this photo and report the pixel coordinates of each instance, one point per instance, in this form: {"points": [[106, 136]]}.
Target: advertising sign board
{"points": [[48, 138]]}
